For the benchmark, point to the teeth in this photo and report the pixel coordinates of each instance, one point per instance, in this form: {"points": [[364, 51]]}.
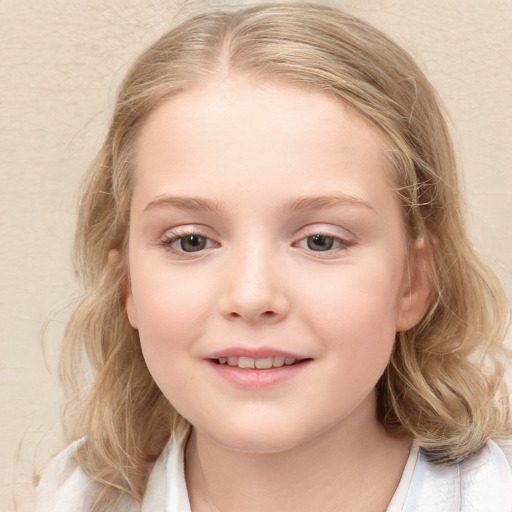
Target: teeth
{"points": [[245, 362], [278, 361], [262, 363]]}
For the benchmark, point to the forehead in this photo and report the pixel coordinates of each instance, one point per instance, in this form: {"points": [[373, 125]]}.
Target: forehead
{"points": [[225, 100], [236, 135]]}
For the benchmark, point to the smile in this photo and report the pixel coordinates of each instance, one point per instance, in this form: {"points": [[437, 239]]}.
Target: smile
{"points": [[260, 363], [263, 370]]}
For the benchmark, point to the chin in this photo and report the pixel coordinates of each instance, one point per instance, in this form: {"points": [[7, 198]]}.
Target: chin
{"points": [[257, 436], [258, 444]]}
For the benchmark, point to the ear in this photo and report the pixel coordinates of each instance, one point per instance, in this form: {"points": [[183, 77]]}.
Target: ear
{"points": [[414, 299], [114, 260]]}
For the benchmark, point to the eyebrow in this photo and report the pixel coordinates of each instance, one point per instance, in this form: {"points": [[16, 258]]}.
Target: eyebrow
{"points": [[300, 204], [183, 203], [329, 201]]}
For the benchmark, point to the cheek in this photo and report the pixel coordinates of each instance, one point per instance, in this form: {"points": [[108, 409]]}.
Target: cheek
{"points": [[172, 311], [167, 328], [357, 334], [355, 312]]}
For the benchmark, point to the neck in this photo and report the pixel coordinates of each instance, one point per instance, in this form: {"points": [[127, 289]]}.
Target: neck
{"points": [[344, 469]]}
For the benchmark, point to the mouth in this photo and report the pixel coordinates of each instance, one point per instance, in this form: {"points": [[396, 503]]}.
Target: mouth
{"points": [[257, 368], [263, 363]]}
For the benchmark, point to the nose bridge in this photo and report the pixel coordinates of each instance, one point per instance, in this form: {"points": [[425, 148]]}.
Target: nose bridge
{"points": [[253, 288]]}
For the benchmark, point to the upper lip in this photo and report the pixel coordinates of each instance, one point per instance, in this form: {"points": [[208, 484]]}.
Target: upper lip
{"points": [[254, 353]]}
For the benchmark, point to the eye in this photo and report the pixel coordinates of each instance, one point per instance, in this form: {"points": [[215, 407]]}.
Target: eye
{"points": [[187, 243], [321, 243], [192, 243]]}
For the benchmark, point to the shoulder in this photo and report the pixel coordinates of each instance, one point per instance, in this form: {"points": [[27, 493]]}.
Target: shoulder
{"points": [[167, 489], [505, 446], [64, 487], [481, 482], [486, 481]]}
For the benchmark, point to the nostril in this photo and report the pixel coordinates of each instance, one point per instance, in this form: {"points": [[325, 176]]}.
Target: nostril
{"points": [[266, 314]]}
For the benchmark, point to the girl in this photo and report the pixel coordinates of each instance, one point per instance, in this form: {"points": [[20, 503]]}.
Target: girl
{"points": [[282, 309]]}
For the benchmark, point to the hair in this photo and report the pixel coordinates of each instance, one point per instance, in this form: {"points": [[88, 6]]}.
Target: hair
{"points": [[444, 383]]}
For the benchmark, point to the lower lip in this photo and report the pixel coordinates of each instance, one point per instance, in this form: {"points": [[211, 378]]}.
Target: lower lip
{"points": [[252, 378]]}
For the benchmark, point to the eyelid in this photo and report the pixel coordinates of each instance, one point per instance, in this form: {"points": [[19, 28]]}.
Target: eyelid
{"points": [[325, 229], [342, 241], [333, 232], [186, 229], [172, 235]]}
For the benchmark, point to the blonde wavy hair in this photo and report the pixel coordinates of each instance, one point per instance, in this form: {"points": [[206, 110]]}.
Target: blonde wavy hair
{"points": [[444, 384]]}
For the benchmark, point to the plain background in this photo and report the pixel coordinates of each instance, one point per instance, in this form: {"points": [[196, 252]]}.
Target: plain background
{"points": [[60, 64]]}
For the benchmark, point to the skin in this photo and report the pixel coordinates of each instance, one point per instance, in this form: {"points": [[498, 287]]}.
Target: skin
{"points": [[258, 157]]}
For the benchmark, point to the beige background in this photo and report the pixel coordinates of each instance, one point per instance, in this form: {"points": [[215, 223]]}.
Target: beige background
{"points": [[60, 63]]}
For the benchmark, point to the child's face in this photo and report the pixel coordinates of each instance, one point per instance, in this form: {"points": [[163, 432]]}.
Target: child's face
{"points": [[263, 226]]}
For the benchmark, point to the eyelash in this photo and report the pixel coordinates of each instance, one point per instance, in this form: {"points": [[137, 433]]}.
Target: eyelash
{"points": [[343, 244], [173, 237]]}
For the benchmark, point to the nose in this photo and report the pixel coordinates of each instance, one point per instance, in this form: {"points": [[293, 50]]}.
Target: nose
{"points": [[253, 288]]}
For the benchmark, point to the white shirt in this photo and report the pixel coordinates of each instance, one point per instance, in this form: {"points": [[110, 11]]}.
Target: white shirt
{"points": [[481, 483]]}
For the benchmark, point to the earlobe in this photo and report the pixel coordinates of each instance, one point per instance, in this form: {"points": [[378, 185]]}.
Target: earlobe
{"points": [[131, 312], [114, 260], [415, 295]]}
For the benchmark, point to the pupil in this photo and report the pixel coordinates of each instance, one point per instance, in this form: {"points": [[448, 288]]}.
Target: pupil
{"points": [[192, 243], [320, 242]]}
